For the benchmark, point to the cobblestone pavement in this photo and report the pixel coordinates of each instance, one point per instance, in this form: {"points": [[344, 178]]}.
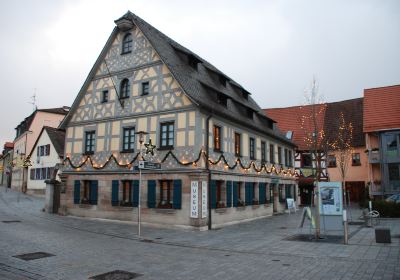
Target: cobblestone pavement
{"points": [[253, 250]]}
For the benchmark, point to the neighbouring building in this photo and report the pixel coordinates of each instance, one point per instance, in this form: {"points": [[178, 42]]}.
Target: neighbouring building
{"points": [[291, 119], [6, 164], [212, 139], [26, 134], [47, 151], [382, 132]]}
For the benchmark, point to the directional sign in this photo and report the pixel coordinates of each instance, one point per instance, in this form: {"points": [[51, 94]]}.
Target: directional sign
{"points": [[149, 165]]}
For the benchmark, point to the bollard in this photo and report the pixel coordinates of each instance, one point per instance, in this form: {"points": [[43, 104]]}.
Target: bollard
{"points": [[346, 233]]}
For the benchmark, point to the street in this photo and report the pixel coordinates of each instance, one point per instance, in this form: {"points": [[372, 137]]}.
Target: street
{"points": [[83, 248]]}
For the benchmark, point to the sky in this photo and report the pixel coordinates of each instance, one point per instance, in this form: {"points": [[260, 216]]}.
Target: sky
{"points": [[274, 49]]}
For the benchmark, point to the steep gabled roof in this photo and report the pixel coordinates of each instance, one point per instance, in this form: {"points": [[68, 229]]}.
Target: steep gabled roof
{"points": [[57, 138], [290, 118], [201, 83], [382, 108]]}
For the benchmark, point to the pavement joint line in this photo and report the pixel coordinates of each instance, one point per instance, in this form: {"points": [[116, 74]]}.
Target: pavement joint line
{"points": [[10, 268]]}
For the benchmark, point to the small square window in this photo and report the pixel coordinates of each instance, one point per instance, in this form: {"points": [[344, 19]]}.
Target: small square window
{"points": [[104, 98], [331, 161], [145, 88]]}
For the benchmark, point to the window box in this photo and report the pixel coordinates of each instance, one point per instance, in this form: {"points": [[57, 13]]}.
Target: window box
{"points": [[165, 205], [125, 204], [221, 204]]}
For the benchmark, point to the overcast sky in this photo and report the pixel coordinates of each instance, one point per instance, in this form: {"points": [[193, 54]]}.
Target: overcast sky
{"points": [[272, 48]]}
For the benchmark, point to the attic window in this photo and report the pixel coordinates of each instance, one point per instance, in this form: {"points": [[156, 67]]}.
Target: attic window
{"points": [[127, 44], [222, 99], [193, 61], [245, 95], [250, 113]]}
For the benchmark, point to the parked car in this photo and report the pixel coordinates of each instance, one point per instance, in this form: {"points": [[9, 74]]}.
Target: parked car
{"points": [[394, 198]]}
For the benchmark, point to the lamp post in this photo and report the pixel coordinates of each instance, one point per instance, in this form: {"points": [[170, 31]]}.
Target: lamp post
{"points": [[141, 140]]}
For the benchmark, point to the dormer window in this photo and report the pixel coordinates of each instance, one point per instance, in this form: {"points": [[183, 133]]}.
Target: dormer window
{"points": [[245, 95], [222, 99], [222, 80], [125, 89], [127, 44], [193, 61], [250, 113]]}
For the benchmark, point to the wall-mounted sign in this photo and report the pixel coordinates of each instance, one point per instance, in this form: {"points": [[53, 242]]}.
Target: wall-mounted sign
{"points": [[204, 199], [194, 199], [330, 198]]}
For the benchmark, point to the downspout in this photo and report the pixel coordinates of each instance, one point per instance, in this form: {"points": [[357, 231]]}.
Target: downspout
{"points": [[208, 170]]}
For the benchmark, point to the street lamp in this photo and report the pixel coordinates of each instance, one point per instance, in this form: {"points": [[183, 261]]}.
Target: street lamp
{"points": [[141, 140]]}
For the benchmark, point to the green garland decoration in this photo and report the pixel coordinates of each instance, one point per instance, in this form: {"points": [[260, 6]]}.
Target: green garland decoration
{"points": [[221, 158]]}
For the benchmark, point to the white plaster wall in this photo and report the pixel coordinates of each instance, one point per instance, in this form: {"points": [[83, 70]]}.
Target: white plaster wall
{"points": [[45, 161]]}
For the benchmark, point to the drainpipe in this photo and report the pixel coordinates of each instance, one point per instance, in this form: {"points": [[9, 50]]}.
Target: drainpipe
{"points": [[208, 170]]}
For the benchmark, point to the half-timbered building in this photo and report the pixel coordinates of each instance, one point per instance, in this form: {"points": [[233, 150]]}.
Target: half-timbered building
{"points": [[212, 139]]}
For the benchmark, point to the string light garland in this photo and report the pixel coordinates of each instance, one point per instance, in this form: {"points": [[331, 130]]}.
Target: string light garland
{"points": [[202, 153]]}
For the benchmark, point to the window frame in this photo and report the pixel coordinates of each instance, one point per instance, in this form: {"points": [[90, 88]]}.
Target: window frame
{"points": [[125, 89], [127, 43], [145, 88], [237, 142], [130, 143], [217, 131], [263, 152], [330, 163], [252, 148], [92, 144], [167, 139], [271, 153], [280, 155], [86, 192], [104, 96], [355, 161], [166, 202], [126, 191]]}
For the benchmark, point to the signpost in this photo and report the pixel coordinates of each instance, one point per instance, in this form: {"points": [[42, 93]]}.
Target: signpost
{"points": [[144, 165]]}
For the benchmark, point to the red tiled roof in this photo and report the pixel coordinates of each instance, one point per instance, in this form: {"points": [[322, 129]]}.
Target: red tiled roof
{"points": [[290, 118], [381, 108], [9, 145]]}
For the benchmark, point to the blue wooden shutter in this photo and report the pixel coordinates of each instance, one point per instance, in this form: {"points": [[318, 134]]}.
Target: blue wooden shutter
{"points": [[228, 193], [77, 191], [235, 194], [93, 191], [294, 192], [114, 192], [247, 193], [135, 193], [151, 193], [177, 203], [213, 187], [261, 193]]}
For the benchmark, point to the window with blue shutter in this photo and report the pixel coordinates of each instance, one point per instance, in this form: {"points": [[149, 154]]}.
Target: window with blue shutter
{"points": [[235, 194], [228, 193], [177, 195], [261, 193], [135, 193], [93, 192], [114, 192], [213, 187], [77, 191], [151, 193]]}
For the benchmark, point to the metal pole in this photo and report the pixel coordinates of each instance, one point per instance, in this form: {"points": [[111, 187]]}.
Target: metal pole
{"points": [[139, 205]]}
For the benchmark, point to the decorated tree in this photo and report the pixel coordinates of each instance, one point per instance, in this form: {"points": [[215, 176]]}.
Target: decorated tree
{"points": [[314, 137], [342, 145]]}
